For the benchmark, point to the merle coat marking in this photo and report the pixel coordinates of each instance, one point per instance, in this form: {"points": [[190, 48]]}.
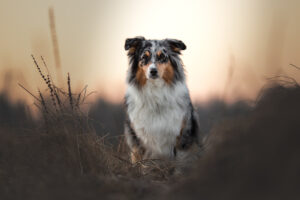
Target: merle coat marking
{"points": [[161, 121]]}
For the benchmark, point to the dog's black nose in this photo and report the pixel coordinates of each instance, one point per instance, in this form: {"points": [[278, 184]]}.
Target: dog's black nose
{"points": [[153, 72]]}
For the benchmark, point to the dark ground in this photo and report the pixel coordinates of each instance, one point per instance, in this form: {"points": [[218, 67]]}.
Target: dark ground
{"points": [[251, 152]]}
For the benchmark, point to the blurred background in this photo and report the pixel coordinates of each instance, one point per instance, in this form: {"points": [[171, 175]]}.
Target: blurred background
{"points": [[235, 49], [233, 46], [245, 41]]}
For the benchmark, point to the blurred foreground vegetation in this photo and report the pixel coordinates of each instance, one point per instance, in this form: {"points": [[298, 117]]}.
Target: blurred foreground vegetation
{"points": [[251, 151]]}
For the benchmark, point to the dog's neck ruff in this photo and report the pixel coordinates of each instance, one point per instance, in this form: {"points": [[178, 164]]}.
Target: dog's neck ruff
{"points": [[156, 112]]}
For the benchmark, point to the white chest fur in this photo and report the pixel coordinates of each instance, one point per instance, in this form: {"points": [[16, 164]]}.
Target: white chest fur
{"points": [[156, 112]]}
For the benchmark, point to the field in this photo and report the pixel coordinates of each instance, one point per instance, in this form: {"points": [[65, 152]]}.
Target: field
{"points": [[251, 151]]}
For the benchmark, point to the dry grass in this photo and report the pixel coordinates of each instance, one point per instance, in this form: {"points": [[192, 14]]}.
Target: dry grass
{"points": [[63, 155], [255, 156], [252, 156]]}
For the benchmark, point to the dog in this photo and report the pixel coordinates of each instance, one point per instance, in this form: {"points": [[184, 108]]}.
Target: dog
{"points": [[161, 121]]}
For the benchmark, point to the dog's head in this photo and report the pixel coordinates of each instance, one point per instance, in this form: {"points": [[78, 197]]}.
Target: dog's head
{"points": [[152, 60]]}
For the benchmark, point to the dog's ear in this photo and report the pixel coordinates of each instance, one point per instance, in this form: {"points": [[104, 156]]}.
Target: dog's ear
{"points": [[131, 44], [176, 45]]}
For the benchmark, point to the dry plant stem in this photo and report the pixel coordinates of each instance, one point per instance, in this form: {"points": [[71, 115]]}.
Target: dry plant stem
{"points": [[29, 92], [39, 69], [51, 92], [55, 45], [79, 95], [70, 92], [295, 66], [43, 102], [123, 160], [47, 80], [78, 100], [46, 68], [39, 107], [52, 87], [288, 80]]}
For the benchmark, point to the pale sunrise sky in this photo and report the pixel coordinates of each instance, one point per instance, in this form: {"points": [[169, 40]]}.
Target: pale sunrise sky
{"points": [[252, 39]]}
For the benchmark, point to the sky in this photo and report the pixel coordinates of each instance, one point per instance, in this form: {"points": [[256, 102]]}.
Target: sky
{"points": [[233, 46]]}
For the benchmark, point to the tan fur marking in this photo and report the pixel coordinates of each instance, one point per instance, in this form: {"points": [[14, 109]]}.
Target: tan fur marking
{"points": [[168, 72], [131, 50], [158, 53], [147, 53], [165, 71], [141, 76], [176, 49]]}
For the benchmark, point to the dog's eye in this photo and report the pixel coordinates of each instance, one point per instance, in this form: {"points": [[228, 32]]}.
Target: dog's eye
{"points": [[162, 57], [145, 57]]}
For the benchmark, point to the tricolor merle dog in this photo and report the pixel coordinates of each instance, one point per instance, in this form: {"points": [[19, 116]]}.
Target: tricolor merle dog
{"points": [[161, 121]]}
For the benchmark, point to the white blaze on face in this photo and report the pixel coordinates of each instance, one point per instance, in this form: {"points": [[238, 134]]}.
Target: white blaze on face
{"points": [[151, 67]]}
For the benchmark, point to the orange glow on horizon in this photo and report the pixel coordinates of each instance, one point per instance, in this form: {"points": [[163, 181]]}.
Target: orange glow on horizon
{"points": [[232, 46]]}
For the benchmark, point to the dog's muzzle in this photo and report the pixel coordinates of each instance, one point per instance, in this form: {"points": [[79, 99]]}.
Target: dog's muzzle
{"points": [[153, 73]]}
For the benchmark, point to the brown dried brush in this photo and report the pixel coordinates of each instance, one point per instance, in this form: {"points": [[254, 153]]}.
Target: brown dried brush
{"points": [[39, 69], [43, 102], [51, 92], [79, 96], [51, 83], [46, 80], [70, 92]]}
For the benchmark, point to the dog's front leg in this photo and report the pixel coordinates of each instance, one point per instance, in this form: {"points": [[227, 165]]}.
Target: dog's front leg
{"points": [[137, 151], [188, 134]]}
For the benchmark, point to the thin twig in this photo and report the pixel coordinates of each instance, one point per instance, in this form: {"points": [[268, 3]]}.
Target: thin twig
{"points": [[46, 68], [43, 101], [37, 106], [79, 95], [122, 159], [85, 96], [28, 92], [70, 92], [39, 69], [295, 66]]}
